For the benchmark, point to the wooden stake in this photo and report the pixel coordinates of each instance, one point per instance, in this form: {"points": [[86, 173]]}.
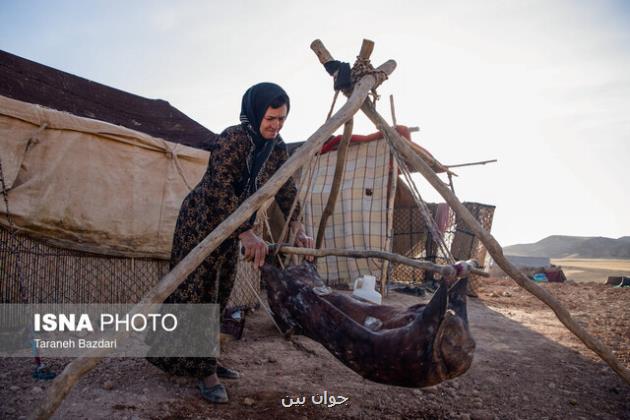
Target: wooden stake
{"points": [[370, 253], [64, 382], [493, 247], [340, 167]]}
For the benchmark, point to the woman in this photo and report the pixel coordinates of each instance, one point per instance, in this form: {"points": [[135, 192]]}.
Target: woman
{"points": [[243, 158]]}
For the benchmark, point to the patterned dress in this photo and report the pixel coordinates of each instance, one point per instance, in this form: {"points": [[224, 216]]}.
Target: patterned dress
{"points": [[221, 191]]}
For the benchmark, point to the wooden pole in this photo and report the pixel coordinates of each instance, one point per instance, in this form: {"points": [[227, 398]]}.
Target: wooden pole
{"points": [[64, 382], [367, 46], [340, 168], [459, 165], [370, 253], [321, 52], [393, 110], [392, 183], [493, 247]]}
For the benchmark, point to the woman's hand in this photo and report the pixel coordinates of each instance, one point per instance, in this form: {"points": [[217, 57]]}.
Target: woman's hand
{"points": [[302, 240], [255, 247]]}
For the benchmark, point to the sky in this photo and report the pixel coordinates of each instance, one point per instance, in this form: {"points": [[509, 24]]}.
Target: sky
{"points": [[542, 86]]}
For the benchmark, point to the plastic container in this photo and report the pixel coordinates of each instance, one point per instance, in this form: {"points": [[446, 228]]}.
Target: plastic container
{"points": [[540, 277], [364, 288]]}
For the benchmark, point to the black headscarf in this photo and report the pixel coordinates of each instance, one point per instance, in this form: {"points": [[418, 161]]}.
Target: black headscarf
{"points": [[255, 102]]}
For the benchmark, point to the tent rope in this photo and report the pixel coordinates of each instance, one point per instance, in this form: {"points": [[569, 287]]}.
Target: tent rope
{"points": [[422, 205], [332, 105], [304, 178], [307, 193], [171, 154]]}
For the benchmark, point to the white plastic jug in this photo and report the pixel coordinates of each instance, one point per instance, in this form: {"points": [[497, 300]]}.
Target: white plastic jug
{"points": [[364, 288]]}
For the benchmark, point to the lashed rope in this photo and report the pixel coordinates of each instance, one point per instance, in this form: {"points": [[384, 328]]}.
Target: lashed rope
{"points": [[173, 155], [362, 67]]}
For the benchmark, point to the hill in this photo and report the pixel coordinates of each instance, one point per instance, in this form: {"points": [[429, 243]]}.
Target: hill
{"points": [[559, 246]]}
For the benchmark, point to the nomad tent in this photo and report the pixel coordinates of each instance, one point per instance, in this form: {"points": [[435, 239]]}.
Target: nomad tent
{"points": [[95, 178], [376, 210]]}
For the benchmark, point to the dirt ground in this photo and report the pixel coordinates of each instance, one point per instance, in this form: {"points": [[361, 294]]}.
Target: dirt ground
{"points": [[592, 269], [526, 366]]}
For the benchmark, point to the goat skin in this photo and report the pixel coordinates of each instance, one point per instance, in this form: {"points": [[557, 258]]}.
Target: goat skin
{"points": [[419, 346]]}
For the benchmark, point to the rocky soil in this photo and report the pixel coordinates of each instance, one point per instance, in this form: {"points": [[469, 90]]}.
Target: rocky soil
{"points": [[527, 366]]}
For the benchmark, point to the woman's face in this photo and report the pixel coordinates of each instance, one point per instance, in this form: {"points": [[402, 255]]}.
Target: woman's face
{"points": [[272, 122]]}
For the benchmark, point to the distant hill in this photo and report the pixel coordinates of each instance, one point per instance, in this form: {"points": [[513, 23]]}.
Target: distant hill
{"points": [[558, 246]]}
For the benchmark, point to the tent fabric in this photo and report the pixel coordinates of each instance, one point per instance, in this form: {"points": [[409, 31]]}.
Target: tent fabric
{"points": [[35, 83], [555, 275], [333, 144], [91, 185], [362, 216]]}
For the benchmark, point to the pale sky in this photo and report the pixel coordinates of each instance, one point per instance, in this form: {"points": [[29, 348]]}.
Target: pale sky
{"points": [[542, 86]]}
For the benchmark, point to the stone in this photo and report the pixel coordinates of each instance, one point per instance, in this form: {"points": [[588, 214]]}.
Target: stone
{"points": [[36, 390], [248, 401], [14, 388], [430, 390], [272, 360], [108, 385]]}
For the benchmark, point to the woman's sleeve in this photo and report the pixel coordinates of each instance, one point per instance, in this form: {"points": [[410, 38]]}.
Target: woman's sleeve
{"points": [[224, 172], [288, 192]]}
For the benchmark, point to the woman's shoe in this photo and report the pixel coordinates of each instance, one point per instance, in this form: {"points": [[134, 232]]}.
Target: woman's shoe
{"points": [[216, 394], [227, 373]]}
